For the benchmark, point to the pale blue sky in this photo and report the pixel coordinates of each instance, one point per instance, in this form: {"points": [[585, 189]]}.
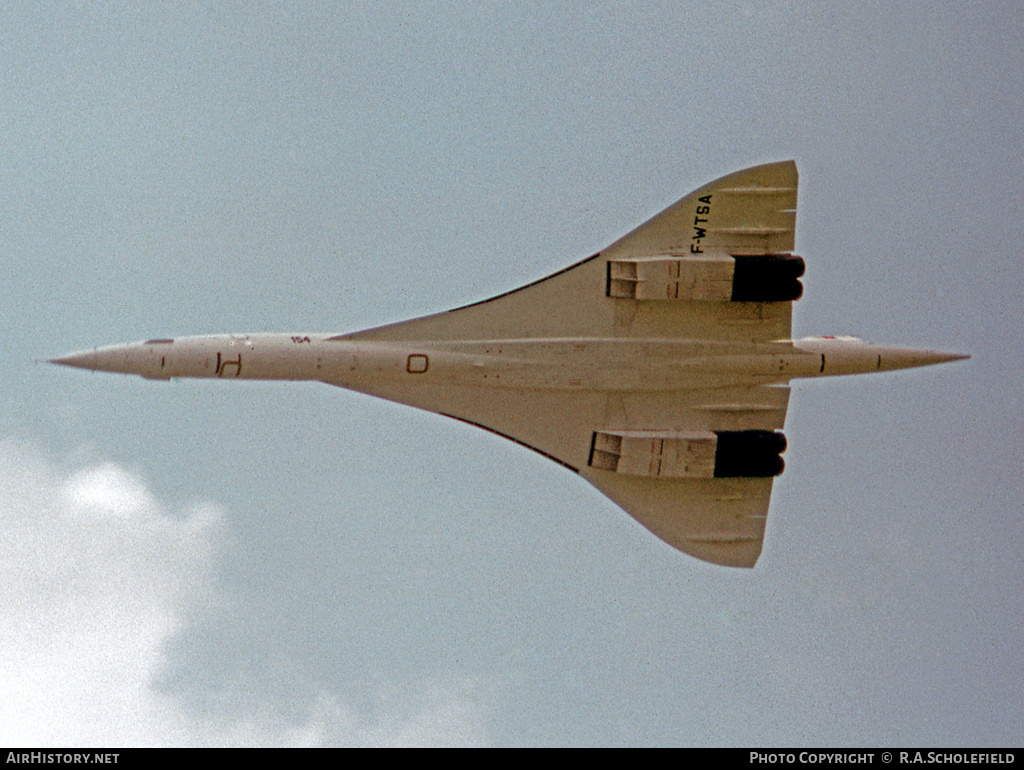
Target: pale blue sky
{"points": [[202, 563]]}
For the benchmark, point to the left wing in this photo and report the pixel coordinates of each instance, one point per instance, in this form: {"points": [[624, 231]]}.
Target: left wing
{"points": [[719, 254], [702, 480]]}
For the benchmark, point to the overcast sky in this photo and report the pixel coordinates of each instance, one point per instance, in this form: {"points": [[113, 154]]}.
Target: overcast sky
{"points": [[203, 563]]}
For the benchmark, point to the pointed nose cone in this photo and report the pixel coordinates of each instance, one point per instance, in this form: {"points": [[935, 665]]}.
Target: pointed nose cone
{"points": [[89, 359], [115, 358], [908, 358]]}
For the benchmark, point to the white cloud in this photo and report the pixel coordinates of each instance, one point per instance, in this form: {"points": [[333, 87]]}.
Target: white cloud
{"points": [[109, 489], [97, 575]]}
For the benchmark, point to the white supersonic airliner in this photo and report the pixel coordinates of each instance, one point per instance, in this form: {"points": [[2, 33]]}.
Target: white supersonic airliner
{"points": [[658, 369]]}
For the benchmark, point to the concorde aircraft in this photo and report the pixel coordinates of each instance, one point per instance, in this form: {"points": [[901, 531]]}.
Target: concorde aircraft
{"points": [[658, 369]]}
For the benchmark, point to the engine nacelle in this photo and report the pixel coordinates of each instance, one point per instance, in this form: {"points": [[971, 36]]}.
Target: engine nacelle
{"points": [[698, 455], [761, 278]]}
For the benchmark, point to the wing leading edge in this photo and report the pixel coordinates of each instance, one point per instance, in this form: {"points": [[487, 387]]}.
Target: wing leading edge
{"points": [[714, 267]]}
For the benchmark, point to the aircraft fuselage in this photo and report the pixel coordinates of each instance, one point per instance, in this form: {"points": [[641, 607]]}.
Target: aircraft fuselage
{"points": [[604, 364]]}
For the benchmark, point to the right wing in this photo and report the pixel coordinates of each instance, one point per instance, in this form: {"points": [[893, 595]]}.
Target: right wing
{"points": [[663, 471]]}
